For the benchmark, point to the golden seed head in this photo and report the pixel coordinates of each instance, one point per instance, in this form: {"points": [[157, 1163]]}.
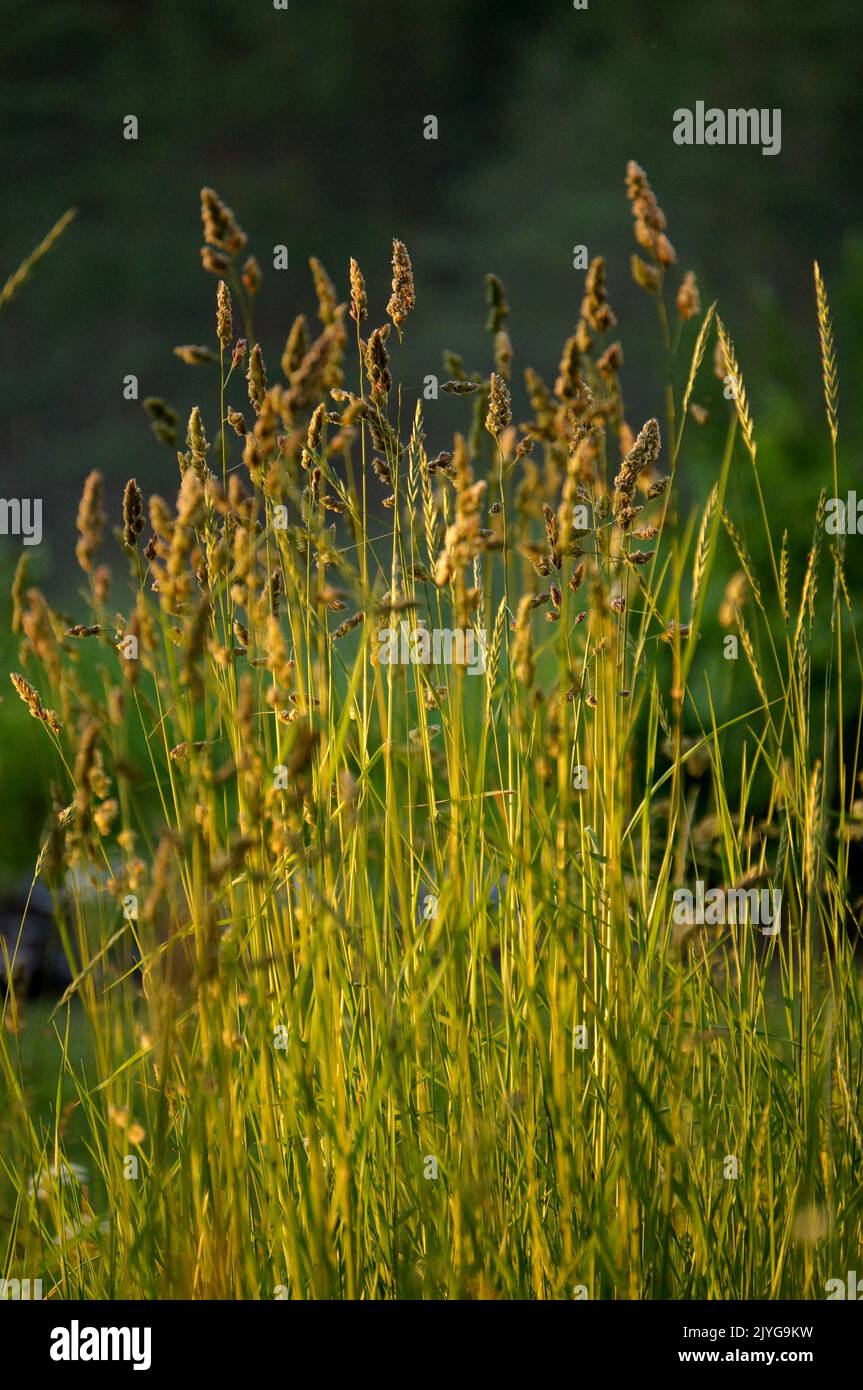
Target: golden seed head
{"points": [[313, 437], [296, 347], [641, 458], [91, 520], [611, 361], [595, 309], [499, 408], [221, 228], [688, 298], [224, 315], [256, 376], [568, 386], [325, 291], [403, 298], [196, 440], [359, 298], [28, 694], [657, 488], [53, 722], [378, 366], [649, 217]]}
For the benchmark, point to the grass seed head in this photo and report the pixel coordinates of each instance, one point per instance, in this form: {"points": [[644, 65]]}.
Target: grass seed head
{"points": [[359, 299], [224, 315], [221, 228], [91, 520], [688, 298], [133, 513], [403, 297], [499, 407]]}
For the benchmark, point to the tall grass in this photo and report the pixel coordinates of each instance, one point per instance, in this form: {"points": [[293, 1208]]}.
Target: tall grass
{"points": [[384, 989]]}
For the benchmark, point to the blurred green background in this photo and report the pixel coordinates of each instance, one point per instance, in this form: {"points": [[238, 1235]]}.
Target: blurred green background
{"points": [[309, 123]]}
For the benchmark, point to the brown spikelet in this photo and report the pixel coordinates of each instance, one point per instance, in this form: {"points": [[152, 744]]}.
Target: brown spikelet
{"points": [[214, 261], [359, 298], [569, 385], [649, 217], [611, 361], [224, 315], [53, 722], [348, 626], [193, 355], [221, 228], [313, 437], [252, 276], [595, 309], [325, 291], [461, 388], [256, 377], [196, 441], [499, 408], [688, 298], [91, 520], [29, 695], [576, 577], [403, 298], [296, 347], [641, 458], [378, 367], [133, 513]]}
